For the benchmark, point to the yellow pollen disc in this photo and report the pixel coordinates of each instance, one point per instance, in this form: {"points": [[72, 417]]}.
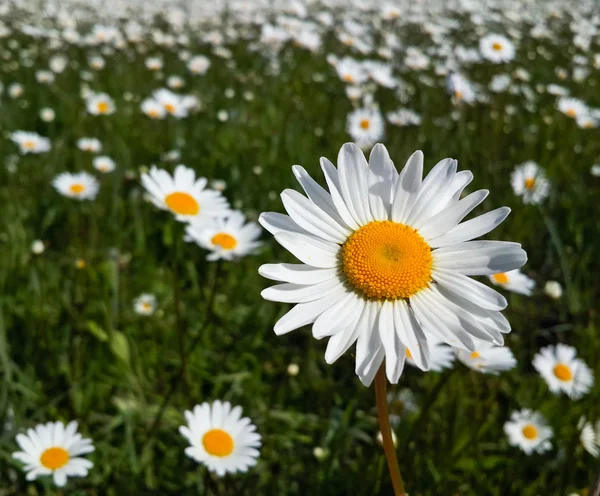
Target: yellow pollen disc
{"points": [[563, 372], [365, 124], [217, 442], [146, 306], [169, 107], [530, 432], [54, 458], [348, 78], [458, 94], [529, 183], [500, 278], [182, 203], [153, 113], [571, 112], [387, 260], [497, 46], [30, 145], [408, 354], [474, 355], [224, 240], [77, 188], [102, 107]]}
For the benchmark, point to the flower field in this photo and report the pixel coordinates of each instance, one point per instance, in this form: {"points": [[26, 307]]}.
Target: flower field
{"points": [[242, 238]]}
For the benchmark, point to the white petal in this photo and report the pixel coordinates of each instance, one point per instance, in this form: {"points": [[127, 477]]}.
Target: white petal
{"points": [[305, 313], [340, 343], [483, 258], [300, 293], [411, 335], [296, 273], [472, 228], [352, 172], [472, 290], [381, 176], [448, 218], [333, 182], [345, 313], [369, 341], [275, 223], [310, 250], [367, 375], [408, 186], [394, 349]]}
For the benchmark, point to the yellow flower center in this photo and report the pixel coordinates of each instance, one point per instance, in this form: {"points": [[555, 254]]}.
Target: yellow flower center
{"points": [[474, 355], [387, 260], [530, 432], [77, 188], [365, 124], [497, 46], [224, 240], [102, 107], [501, 278], [146, 306], [29, 145], [563, 372], [153, 113], [529, 183], [349, 78], [217, 442], [169, 107], [571, 112], [408, 354], [182, 203], [458, 94], [54, 458]]}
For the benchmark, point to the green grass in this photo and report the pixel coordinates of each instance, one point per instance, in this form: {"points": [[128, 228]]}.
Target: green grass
{"points": [[71, 346]]}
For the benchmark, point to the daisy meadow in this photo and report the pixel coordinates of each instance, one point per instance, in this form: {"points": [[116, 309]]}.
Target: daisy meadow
{"points": [[529, 181], [386, 259], [529, 431], [221, 438], [30, 142], [145, 304], [54, 449], [226, 238], [185, 196], [497, 48], [515, 281], [563, 371], [80, 185], [488, 358]]}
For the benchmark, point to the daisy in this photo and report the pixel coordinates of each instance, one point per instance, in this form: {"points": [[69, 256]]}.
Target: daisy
{"points": [[553, 289], [30, 142], [572, 107], [54, 449], [92, 145], [175, 82], [144, 304], [496, 48], [44, 77], [227, 238], [529, 181], [47, 114], [385, 260], [563, 371], [351, 71], [104, 164], [588, 437], [488, 358], [221, 438], [460, 88], [513, 280], [441, 356], [184, 195], [198, 64], [404, 117], [100, 104], [15, 90], [171, 102], [365, 126], [81, 185], [153, 109], [154, 63], [96, 62], [528, 430]]}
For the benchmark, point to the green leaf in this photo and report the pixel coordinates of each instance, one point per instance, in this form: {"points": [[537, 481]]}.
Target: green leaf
{"points": [[97, 331], [120, 347]]}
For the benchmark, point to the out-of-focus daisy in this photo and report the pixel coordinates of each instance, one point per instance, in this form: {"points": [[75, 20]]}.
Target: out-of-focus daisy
{"points": [[371, 250], [54, 449], [58, 63], [171, 102], [104, 164], [92, 145], [154, 63], [81, 185], [381, 73], [497, 48], [47, 114], [365, 126], [351, 71], [144, 304], [175, 82], [221, 438], [184, 195], [587, 122], [100, 104], [563, 371], [153, 109], [595, 170], [44, 77], [198, 64], [96, 62], [588, 437], [460, 88], [553, 289], [572, 107], [15, 90], [529, 431], [515, 281], [488, 358], [38, 247], [227, 238], [401, 403], [441, 356], [30, 142], [404, 117], [529, 181]]}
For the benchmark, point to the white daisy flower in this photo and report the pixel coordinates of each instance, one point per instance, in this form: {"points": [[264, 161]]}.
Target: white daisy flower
{"points": [[381, 73], [80, 185], [513, 280], [44, 77], [47, 114], [595, 170], [366, 126], [553, 289], [227, 238], [175, 82], [153, 109], [351, 71], [53, 449], [198, 64], [184, 195], [100, 104], [104, 164], [96, 62], [404, 117], [58, 63], [529, 181], [92, 145], [563, 371], [488, 358], [385, 260], [15, 90], [144, 304], [460, 88], [30, 142], [497, 48], [171, 102], [588, 437], [221, 438], [572, 107], [441, 356], [529, 431], [154, 63]]}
